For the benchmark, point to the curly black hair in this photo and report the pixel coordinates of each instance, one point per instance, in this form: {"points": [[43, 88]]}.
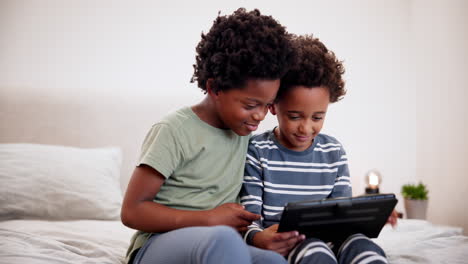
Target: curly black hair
{"points": [[242, 46], [315, 66]]}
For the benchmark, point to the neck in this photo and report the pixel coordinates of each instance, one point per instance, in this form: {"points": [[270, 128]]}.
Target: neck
{"points": [[206, 111]]}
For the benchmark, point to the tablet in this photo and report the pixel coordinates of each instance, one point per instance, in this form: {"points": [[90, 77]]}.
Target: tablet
{"points": [[337, 218]]}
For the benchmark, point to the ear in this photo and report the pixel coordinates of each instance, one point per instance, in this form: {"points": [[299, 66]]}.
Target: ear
{"points": [[272, 108], [210, 88]]}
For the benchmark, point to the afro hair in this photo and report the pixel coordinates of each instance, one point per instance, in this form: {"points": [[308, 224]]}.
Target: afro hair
{"points": [[240, 47], [315, 66]]}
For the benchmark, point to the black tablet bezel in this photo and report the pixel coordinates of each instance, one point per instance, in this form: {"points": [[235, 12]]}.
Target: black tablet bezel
{"points": [[338, 218]]}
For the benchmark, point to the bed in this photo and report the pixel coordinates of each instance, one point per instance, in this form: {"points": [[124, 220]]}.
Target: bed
{"points": [[79, 241], [61, 205], [418, 241]]}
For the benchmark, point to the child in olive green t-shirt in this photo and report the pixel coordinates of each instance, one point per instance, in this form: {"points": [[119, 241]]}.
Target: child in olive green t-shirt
{"points": [[182, 196]]}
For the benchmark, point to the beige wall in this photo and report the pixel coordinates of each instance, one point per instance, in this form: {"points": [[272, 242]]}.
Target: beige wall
{"points": [[97, 73]]}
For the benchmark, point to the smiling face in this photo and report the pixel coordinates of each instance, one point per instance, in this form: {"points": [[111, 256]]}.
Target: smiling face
{"points": [[301, 112], [242, 109]]}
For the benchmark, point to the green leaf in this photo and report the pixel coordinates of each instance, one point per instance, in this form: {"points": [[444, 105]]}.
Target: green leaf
{"points": [[415, 192]]}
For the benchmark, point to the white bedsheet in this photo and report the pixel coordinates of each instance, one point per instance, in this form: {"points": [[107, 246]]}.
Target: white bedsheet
{"points": [[84, 241], [418, 241], [89, 241]]}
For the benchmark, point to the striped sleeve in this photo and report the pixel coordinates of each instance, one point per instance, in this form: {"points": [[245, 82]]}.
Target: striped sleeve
{"points": [[342, 185], [252, 190]]}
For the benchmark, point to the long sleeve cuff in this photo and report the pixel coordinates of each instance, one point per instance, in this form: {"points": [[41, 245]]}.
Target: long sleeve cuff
{"points": [[248, 237]]}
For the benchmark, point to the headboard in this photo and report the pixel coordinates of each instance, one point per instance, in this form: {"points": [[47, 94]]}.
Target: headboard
{"points": [[81, 121]]}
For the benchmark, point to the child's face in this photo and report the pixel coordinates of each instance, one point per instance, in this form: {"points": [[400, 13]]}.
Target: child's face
{"points": [[242, 109], [301, 113]]}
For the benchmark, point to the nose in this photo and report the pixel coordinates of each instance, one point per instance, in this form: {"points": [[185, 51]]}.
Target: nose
{"points": [[306, 127], [260, 114]]}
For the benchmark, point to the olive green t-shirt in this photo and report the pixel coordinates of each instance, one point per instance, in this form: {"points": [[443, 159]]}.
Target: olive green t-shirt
{"points": [[203, 165]]}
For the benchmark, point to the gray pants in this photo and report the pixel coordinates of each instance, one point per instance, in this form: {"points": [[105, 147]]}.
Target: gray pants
{"points": [[357, 249], [203, 245]]}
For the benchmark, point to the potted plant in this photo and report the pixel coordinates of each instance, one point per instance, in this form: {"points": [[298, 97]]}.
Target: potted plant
{"points": [[416, 197]]}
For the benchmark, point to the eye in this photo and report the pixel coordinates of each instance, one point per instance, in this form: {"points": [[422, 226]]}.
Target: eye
{"points": [[294, 117], [317, 118], [249, 107]]}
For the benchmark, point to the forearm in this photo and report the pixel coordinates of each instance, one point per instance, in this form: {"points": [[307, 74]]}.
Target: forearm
{"points": [[149, 216], [140, 212]]}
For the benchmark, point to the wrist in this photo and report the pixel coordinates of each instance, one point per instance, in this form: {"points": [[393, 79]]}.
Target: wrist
{"points": [[250, 235], [193, 218], [206, 218]]}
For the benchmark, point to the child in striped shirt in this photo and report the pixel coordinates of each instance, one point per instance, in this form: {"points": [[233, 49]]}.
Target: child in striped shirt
{"points": [[295, 162]]}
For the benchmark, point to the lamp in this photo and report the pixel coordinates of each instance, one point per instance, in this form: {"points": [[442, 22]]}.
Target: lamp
{"points": [[373, 180]]}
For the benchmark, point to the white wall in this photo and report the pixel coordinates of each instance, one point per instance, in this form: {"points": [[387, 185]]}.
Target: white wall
{"points": [[115, 67], [440, 33]]}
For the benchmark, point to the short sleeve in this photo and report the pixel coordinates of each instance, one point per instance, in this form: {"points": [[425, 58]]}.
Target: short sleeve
{"points": [[161, 149]]}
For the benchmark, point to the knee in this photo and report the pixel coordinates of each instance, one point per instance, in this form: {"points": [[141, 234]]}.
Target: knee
{"points": [[223, 233], [359, 247], [221, 244], [312, 250], [222, 236], [266, 256], [360, 242]]}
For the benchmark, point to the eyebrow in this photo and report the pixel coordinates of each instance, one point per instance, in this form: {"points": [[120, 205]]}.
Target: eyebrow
{"points": [[258, 101], [300, 112]]}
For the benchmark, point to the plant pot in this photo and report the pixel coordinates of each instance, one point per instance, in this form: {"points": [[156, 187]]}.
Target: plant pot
{"points": [[416, 209]]}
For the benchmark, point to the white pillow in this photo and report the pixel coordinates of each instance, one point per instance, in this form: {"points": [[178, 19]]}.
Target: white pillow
{"points": [[59, 183]]}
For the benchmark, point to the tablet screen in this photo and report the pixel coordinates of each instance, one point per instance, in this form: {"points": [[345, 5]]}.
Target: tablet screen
{"points": [[338, 218]]}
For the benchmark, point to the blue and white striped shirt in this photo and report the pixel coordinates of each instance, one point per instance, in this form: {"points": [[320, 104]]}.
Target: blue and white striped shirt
{"points": [[275, 175]]}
